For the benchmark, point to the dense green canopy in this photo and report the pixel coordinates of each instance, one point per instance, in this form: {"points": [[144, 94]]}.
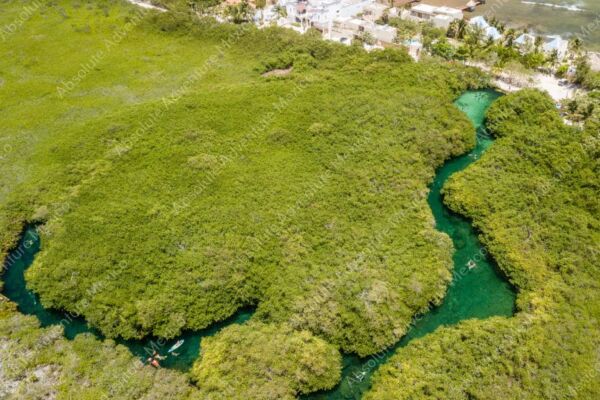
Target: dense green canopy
{"points": [[175, 183], [41, 364], [534, 196], [304, 195], [265, 361]]}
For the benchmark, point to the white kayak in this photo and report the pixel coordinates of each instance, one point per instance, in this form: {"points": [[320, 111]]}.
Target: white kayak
{"points": [[175, 346]]}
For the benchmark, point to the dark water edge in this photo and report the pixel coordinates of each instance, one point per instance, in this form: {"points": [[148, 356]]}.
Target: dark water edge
{"points": [[28, 303], [480, 292]]}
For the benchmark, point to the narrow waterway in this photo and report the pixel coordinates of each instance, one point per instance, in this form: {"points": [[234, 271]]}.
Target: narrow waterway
{"points": [[478, 291], [28, 303]]}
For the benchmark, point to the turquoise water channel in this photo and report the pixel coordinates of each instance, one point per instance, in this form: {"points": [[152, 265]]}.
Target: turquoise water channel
{"points": [[28, 303], [476, 292]]}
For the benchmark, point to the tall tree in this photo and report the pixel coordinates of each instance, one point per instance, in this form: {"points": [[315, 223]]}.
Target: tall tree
{"points": [[575, 46], [239, 13]]}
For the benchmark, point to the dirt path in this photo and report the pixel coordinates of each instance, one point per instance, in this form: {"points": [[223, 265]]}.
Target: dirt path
{"points": [[512, 82]]}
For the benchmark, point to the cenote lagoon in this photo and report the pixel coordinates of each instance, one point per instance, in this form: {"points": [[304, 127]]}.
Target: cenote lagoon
{"points": [[478, 289]]}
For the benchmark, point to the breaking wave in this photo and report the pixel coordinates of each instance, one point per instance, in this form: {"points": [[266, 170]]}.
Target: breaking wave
{"points": [[560, 6]]}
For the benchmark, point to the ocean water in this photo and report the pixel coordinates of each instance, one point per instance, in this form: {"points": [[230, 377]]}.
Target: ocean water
{"points": [[563, 17]]}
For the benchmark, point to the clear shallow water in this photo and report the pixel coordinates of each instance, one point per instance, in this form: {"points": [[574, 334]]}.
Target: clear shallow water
{"points": [[480, 292], [28, 303]]}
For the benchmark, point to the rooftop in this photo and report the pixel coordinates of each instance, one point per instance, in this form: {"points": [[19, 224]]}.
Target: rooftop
{"points": [[460, 4]]}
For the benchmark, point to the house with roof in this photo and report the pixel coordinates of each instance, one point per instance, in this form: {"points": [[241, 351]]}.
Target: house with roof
{"points": [[489, 31], [266, 16], [525, 42], [440, 17], [319, 13], [373, 12], [382, 33], [345, 29], [556, 44], [549, 44]]}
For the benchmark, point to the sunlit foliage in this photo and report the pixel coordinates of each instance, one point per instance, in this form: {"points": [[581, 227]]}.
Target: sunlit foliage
{"points": [[265, 361], [534, 196]]}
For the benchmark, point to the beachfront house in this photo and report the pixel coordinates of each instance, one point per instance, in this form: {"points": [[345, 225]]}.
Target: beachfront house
{"points": [[489, 31], [440, 17], [548, 44], [525, 42], [556, 44]]}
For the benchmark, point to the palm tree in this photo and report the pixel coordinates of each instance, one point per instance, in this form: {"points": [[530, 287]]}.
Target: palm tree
{"points": [[260, 5], [475, 36], [240, 13], [510, 37], [453, 29], [538, 42], [575, 46], [280, 11], [552, 59], [461, 28]]}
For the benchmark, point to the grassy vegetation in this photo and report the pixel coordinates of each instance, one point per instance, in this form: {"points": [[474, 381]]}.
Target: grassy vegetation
{"points": [[40, 364], [534, 196], [275, 361], [176, 184]]}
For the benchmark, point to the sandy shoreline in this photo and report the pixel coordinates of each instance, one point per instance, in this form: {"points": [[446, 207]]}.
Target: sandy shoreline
{"points": [[513, 82]]}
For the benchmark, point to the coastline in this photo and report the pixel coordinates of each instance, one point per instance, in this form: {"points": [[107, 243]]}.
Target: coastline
{"points": [[503, 80], [511, 83]]}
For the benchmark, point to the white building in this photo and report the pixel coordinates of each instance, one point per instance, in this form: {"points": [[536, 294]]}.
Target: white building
{"points": [[550, 44], [266, 16], [489, 31], [320, 13], [525, 42], [558, 44], [343, 30], [440, 17], [374, 11], [382, 33]]}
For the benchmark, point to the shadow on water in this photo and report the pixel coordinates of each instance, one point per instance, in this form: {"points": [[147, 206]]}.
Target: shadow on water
{"points": [[478, 288], [28, 303]]}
